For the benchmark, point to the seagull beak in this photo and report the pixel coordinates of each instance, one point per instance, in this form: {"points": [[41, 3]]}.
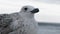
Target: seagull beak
{"points": [[35, 10]]}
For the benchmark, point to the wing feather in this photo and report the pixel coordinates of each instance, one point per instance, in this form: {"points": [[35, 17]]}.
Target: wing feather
{"points": [[5, 21]]}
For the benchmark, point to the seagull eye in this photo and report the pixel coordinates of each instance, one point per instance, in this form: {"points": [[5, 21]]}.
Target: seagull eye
{"points": [[25, 8]]}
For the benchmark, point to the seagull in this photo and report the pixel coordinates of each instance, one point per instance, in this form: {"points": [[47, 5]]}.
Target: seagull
{"points": [[22, 22]]}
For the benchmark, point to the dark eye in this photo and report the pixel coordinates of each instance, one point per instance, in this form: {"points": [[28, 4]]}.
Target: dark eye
{"points": [[25, 8]]}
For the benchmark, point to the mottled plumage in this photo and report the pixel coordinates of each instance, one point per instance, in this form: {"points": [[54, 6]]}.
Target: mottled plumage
{"points": [[5, 21], [22, 22]]}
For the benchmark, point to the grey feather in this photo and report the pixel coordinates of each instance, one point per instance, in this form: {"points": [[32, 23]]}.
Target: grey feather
{"points": [[5, 21]]}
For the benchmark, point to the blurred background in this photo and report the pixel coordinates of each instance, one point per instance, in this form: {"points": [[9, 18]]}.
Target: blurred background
{"points": [[48, 18], [49, 9]]}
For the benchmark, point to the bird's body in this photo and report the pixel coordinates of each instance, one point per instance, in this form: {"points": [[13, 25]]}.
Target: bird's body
{"points": [[25, 26], [23, 22]]}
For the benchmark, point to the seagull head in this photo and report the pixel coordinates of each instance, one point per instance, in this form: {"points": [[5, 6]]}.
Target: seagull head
{"points": [[29, 11]]}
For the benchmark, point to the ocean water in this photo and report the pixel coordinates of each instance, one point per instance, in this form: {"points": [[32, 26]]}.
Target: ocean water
{"points": [[49, 28]]}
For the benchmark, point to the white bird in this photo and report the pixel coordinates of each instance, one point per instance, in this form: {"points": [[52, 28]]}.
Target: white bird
{"points": [[23, 22]]}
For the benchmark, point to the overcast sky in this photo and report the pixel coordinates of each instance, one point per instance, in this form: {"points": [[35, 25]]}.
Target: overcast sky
{"points": [[50, 1], [49, 9]]}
